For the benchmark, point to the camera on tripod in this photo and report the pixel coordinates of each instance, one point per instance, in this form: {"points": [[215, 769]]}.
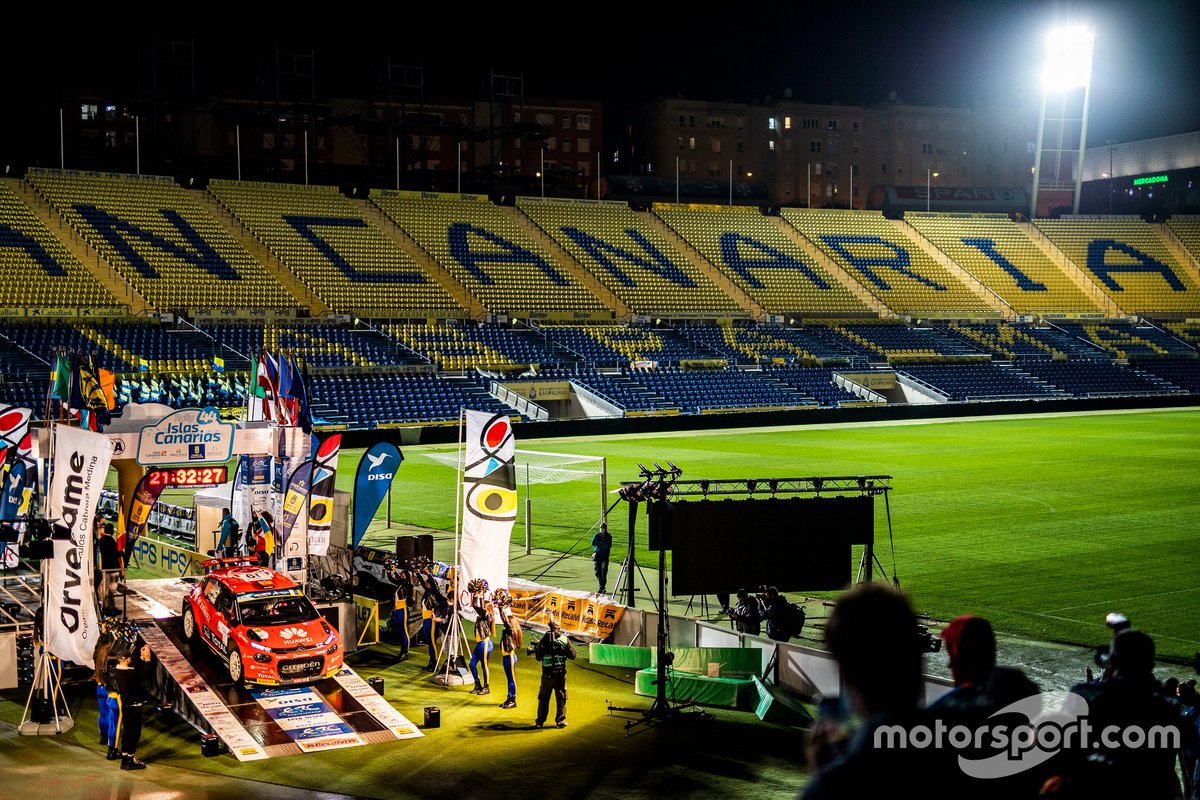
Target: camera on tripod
{"points": [[926, 641], [1117, 622]]}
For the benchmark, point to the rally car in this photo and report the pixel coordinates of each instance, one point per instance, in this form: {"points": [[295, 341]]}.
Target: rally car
{"points": [[261, 624]]}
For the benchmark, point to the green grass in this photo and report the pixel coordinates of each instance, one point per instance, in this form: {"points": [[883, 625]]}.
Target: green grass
{"points": [[1042, 524]]}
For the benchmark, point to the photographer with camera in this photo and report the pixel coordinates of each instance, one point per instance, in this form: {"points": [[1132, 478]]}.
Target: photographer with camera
{"points": [[746, 614], [775, 613], [553, 650]]}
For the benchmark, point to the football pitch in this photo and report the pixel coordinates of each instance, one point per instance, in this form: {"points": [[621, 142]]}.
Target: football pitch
{"points": [[1041, 523]]}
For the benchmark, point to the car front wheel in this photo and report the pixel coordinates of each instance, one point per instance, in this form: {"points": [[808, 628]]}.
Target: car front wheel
{"points": [[189, 623], [236, 669]]}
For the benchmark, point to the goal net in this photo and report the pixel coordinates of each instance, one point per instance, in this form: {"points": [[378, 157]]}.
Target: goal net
{"points": [[533, 466]]}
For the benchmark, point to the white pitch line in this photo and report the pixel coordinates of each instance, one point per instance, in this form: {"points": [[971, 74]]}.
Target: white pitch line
{"points": [[1049, 612]]}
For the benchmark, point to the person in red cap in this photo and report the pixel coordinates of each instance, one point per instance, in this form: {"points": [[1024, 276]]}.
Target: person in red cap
{"points": [[979, 684], [981, 689]]}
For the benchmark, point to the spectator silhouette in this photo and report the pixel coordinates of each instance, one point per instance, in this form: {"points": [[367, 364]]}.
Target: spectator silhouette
{"points": [[979, 683], [872, 632], [981, 690], [1128, 698]]}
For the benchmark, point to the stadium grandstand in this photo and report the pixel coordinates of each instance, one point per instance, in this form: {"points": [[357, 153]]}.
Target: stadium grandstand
{"points": [[407, 305]]}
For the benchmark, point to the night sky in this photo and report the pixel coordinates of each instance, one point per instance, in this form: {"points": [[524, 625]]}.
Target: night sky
{"points": [[1145, 76]]}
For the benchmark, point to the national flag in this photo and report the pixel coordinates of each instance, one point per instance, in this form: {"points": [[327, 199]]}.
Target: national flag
{"points": [[218, 364], [143, 365], [304, 412], [108, 386], [76, 401], [288, 390], [264, 384], [60, 378], [97, 401], [125, 396]]}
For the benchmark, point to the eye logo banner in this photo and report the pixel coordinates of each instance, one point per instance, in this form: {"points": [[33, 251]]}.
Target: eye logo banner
{"points": [[489, 502]]}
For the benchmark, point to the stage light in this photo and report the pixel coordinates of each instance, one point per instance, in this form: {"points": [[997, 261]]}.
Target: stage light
{"points": [[704, 487], [774, 484], [818, 483], [751, 486]]}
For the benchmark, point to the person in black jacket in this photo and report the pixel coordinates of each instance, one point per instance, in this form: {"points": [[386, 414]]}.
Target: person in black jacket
{"points": [[553, 650], [129, 679], [108, 573], [775, 614]]}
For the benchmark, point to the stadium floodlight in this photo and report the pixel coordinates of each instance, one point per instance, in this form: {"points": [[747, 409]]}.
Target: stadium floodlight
{"points": [[1068, 68], [1068, 58]]}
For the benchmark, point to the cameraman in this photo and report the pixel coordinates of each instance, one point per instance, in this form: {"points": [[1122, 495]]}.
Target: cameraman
{"points": [[553, 650], [746, 616], [775, 613]]}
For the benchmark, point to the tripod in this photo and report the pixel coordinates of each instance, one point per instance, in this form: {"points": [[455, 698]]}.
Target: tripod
{"points": [[629, 564], [654, 493]]}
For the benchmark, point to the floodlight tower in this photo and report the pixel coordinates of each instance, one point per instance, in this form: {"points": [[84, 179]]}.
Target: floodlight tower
{"points": [[1068, 70]]}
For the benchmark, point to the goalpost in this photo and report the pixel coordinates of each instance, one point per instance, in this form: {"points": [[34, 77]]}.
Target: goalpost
{"points": [[538, 467]]}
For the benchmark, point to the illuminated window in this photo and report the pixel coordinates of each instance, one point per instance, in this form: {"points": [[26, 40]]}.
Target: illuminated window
{"points": [[88, 111], [770, 145], [583, 122], [691, 143], [583, 146], [771, 124], [566, 122], [787, 123]]}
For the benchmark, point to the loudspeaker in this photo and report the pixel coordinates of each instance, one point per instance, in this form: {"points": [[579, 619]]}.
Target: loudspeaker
{"points": [[210, 745], [433, 717], [406, 548], [33, 551], [424, 546]]}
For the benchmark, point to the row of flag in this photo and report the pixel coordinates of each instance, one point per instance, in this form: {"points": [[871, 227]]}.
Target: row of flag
{"points": [[278, 390], [85, 392]]}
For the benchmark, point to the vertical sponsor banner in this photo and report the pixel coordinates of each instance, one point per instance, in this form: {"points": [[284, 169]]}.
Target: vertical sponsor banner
{"points": [[374, 476], [292, 451], [294, 529], [14, 425], [140, 505], [251, 488], [489, 502], [14, 494], [10, 507], [320, 501], [81, 460], [130, 476]]}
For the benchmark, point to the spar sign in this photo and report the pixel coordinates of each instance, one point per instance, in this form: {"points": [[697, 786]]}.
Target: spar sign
{"points": [[194, 435]]}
